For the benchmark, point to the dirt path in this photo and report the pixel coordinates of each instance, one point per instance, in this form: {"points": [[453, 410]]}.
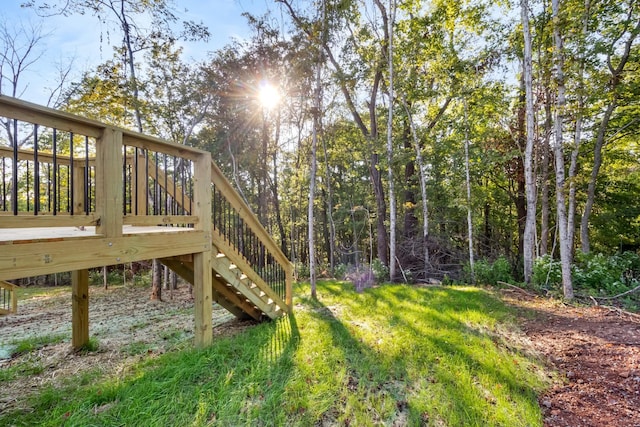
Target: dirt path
{"points": [[126, 325], [596, 350]]}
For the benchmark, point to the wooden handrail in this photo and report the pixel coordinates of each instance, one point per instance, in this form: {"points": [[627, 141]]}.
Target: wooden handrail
{"points": [[232, 196], [44, 156]]}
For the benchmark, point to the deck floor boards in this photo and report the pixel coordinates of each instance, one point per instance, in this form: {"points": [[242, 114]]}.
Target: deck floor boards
{"points": [[42, 234]]}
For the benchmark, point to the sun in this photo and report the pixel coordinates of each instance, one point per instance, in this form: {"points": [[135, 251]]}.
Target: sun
{"points": [[268, 95]]}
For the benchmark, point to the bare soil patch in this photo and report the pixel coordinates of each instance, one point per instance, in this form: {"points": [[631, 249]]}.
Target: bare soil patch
{"points": [[126, 324], [596, 351]]}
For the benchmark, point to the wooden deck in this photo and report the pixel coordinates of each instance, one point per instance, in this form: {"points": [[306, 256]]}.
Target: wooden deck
{"points": [[80, 194]]}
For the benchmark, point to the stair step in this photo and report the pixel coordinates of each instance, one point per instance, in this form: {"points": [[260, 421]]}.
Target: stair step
{"points": [[220, 255]]}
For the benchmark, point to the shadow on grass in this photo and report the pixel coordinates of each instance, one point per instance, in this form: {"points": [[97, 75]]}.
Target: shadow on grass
{"points": [[461, 371], [236, 381], [373, 389]]}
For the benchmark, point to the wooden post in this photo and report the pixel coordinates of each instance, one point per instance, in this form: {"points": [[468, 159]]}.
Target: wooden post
{"points": [[80, 308], [202, 272], [109, 180], [289, 291], [78, 190], [140, 183], [14, 300]]}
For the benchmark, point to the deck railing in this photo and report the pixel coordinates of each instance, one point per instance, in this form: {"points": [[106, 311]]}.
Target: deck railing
{"points": [[62, 170], [49, 169]]}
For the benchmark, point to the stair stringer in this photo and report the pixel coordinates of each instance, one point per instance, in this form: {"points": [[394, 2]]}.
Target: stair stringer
{"points": [[234, 278], [245, 274], [222, 295]]}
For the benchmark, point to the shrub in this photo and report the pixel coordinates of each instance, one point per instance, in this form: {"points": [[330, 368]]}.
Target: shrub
{"points": [[490, 273], [380, 271], [303, 271], [594, 274], [600, 274], [546, 273], [339, 271]]}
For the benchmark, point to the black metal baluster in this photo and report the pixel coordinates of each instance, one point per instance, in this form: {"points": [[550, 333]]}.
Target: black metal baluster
{"points": [[55, 172], [4, 185], [146, 180], [36, 172], [166, 186], [175, 190], [190, 187], [49, 207], [14, 185], [86, 175], [28, 192], [71, 177], [124, 180], [184, 188], [135, 179], [213, 206]]}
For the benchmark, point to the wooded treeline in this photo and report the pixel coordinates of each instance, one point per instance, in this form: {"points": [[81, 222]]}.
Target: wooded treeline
{"points": [[451, 123]]}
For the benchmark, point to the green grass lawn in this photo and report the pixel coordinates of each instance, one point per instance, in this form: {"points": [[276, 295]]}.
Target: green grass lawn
{"points": [[394, 355]]}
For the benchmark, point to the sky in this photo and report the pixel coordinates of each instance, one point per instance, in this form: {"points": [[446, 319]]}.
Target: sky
{"points": [[78, 38]]}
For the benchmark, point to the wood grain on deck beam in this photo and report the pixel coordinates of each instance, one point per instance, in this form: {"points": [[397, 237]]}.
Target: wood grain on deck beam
{"points": [[47, 257]]}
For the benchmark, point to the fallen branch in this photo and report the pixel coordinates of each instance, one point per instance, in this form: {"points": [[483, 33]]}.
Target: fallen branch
{"points": [[621, 311], [637, 288], [516, 287]]}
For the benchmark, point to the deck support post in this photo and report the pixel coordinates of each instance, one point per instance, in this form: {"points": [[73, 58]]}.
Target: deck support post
{"points": [[109, 160], [288, 287], [202, 273], [80, 308]]}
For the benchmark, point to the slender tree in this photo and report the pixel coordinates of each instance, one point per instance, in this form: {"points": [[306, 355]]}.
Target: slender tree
{"points": [[392, 193], [619, 49], [561, 208], [530, 184], [468, 186]]}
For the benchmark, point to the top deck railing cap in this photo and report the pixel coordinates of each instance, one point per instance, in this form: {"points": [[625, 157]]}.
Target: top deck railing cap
{"points": [[70, 117]]}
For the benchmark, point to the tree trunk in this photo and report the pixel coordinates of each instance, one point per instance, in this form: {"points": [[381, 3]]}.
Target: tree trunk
{"points": [[312, 179], [410, 228], [529, 177], [577, 139], [486, 236], [276, 202], [423, 187], [325, 223], [156, 280], [544, 179], [468, 184], [565, 246], [614, 81], [329, 198], [390, 175], [165, 278]]}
